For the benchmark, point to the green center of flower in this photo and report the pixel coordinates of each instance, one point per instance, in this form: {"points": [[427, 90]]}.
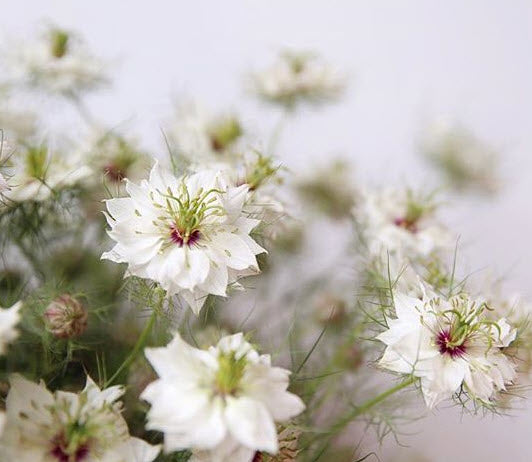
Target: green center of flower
{"points": [[72, 445], [260, 171], [461, 324], [36, 161], [230, 372], [59, 43], [187, 215], [224, 133]]}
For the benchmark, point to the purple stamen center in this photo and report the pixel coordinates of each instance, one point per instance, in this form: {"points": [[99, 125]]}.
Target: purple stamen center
{"points": [[444, 341], [58, 451], [114, 172], [178, 238], [409, 225]]}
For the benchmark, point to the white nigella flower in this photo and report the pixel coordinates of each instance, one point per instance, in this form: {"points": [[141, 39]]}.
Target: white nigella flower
{"points": [[58, 62], [188, 234], [42, 426], [34, 174], [466, 160], [218, 399], [397, 223], [451, 345], [203, 138], [299, 77], [114, 155], [9, 318]]}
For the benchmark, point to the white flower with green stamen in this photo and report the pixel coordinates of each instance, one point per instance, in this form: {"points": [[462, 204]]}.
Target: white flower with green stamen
{"points": [[299, 77], [400, 224], [35, 174], [188, 234], [9, 318], [203, 138], [451, 345], [57, 63], [42, 426], [219, 399]]}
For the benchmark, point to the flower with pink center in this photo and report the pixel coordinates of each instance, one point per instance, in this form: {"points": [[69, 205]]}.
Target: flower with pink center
{"points": [[450, 344], [42, 426], [400, 224], [189, 234]]}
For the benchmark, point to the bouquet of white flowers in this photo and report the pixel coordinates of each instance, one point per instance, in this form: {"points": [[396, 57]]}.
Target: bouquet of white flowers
{"points": [[207, 304]]}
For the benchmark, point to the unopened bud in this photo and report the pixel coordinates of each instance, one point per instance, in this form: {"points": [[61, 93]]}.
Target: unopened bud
{"points": [[66, 317]]}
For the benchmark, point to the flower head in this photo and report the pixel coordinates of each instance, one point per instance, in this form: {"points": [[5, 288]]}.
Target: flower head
{"points": [[66, 317], [201, 137], [9, 318], [58, 63], [223, 400], [33, 174], [115, 156], [451, 344], [188, 234], [68, 427], [466, 161], [298, 77], [401, 224]]}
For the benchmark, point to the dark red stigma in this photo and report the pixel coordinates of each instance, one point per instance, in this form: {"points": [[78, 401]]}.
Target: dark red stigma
{"points": [[59, 453], [180, 240], [443, 340], [406, 224], [114, 172]]}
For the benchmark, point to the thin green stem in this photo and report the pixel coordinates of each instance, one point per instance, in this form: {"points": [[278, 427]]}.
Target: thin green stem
{"points": [[366, 406], [136, 349]]}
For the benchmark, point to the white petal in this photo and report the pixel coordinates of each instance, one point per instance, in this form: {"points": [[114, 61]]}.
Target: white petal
{"points": [[251, 424]]}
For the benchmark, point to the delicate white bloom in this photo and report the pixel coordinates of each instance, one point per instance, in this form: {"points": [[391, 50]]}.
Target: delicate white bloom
{"points": [[33, 173], [203, 138], [451, 345], [42, 426], [9, 318], [209, 399], [395, 222], [188, 234], [466, 160], [113, 155], [58, 62], [299, 77]]}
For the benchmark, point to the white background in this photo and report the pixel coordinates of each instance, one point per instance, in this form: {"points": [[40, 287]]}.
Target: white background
{"points": [[408, 60]]}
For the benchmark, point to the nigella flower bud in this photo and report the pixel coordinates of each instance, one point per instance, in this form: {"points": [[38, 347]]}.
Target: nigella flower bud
{"points": [[66, 317]]}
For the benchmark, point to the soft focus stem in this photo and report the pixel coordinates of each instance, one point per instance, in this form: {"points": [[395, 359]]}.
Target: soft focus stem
{"points": [[366, 406], [136, 349]]}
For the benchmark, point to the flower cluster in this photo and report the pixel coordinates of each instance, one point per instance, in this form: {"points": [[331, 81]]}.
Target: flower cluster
{"points": [[322, 274]]}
